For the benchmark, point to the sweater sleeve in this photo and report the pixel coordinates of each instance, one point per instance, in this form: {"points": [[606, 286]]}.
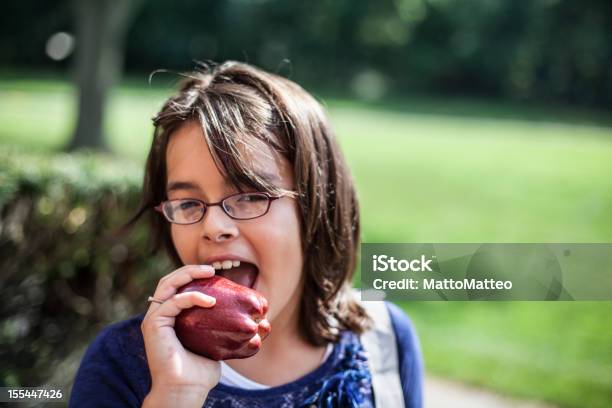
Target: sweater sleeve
{"points": [[109, 375], [409, 356]]}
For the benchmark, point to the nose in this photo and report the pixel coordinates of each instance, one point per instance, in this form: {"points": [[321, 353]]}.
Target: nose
{"points": [[217, 226]]}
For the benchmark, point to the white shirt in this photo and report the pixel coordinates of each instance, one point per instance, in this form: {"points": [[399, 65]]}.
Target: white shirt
{"points": [[231, 377]]}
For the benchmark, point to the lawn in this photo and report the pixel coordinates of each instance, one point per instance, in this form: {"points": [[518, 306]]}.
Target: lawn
{"points": [[432, 170]]}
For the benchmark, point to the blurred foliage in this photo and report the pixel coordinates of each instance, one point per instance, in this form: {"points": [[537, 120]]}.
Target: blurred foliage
{"points": [[65, 274], [546, 50]]}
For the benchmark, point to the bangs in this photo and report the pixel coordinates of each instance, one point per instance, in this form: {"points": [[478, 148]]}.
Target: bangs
{"points": [[238, 124]]}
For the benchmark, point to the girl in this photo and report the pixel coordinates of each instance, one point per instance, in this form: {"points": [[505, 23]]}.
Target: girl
{"points": [[236, 134]]}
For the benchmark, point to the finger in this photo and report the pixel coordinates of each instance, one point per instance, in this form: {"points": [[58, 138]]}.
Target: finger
{"points": [[173, 306], [264, 328], [169, 284], [255, 342], [181, 271], [167, 287], [164, 315]]}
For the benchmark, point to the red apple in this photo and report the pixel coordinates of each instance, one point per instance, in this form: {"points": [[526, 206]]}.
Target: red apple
{"points": [[233, 328]]}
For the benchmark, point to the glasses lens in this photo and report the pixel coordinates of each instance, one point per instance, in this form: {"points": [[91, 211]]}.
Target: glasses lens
{"points": [[245, 206], [183, 211]]}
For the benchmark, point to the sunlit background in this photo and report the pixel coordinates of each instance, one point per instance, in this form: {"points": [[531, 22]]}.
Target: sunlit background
{"points": [[463, 121]]}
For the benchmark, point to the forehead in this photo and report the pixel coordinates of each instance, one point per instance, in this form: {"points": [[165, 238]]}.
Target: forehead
{"points": [[188, 159]]}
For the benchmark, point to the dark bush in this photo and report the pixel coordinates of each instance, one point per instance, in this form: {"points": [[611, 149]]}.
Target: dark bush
{"points": [[64, 273]]}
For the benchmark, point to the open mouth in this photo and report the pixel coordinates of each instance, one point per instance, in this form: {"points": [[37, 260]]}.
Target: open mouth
{"points": [[240, 272]]}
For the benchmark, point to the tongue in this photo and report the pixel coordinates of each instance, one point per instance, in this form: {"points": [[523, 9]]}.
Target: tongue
{"points": [[244, 275]]}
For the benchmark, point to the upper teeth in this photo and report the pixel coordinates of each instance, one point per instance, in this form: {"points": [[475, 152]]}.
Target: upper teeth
{"points": [[227, 264]]}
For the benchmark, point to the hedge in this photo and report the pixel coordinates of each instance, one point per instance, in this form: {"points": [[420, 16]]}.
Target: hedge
{"points": [[64, 274]]}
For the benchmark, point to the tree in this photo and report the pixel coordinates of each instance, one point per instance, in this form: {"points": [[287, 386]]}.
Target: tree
{"points": [[101, 29]]}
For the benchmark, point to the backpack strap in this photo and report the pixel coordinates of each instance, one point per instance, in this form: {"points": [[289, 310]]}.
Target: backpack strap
{"points": [[380, 344]]}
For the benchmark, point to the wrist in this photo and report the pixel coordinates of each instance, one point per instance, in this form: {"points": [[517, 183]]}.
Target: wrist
{"points": [[175, 395]]}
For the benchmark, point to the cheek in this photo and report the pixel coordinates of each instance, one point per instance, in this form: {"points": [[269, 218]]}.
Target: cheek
{"points": [[184, 243], [280, 251], [284, 240]]}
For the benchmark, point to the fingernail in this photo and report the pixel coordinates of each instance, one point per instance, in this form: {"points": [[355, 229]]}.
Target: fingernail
{"points": [[204, 266]]}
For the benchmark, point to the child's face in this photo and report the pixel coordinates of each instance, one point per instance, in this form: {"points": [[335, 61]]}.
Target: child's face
{"points": [[271, 242]]}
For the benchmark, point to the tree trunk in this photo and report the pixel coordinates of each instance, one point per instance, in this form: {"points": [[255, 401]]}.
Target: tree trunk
{"points": [[101, 28]]}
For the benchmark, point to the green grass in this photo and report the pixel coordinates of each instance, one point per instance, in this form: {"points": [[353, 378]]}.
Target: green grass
{"points": [[454, 179], [431, 170], [557, 351]]}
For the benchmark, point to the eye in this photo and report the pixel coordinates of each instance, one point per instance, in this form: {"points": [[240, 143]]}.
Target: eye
{"points": [[252, 198], [187, 205]]}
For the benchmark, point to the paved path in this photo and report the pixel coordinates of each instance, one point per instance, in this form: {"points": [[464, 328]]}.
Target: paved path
{"points": [[441, 393]]}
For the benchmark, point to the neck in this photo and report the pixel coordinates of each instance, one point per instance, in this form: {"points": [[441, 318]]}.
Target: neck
{"points": [[286, 355]]}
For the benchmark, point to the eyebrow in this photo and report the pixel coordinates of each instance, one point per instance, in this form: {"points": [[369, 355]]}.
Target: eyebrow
{"points": [[188, 185], [181, 185]]}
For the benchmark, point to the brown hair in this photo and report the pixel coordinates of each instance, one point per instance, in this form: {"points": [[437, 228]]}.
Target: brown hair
{"points": [[234, 102]]}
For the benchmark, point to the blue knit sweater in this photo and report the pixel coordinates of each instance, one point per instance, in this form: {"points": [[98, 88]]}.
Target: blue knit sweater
{"points": [[114, 373]]}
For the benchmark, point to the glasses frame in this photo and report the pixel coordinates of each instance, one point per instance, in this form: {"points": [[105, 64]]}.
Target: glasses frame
{"points": [[205, 205]]}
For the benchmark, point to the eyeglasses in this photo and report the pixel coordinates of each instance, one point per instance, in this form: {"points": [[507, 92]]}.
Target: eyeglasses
{"points": [[241, 206]]}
